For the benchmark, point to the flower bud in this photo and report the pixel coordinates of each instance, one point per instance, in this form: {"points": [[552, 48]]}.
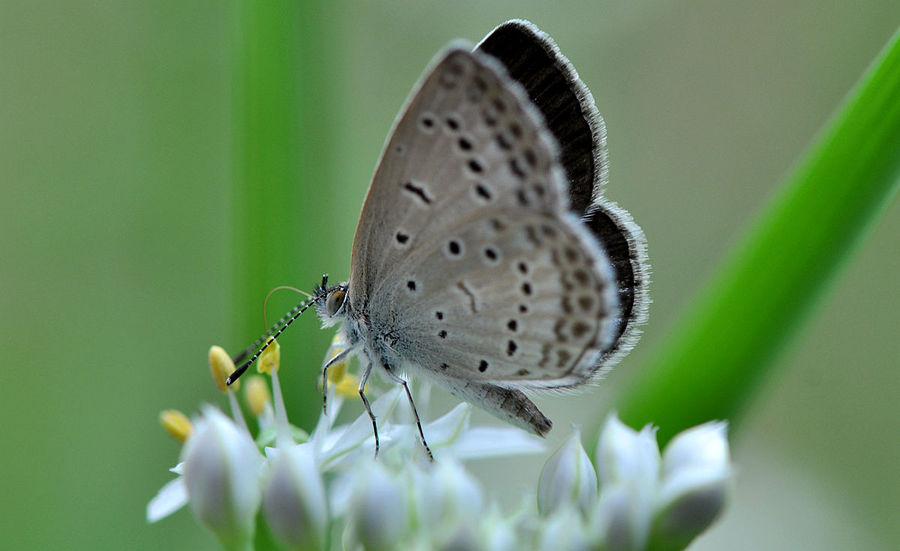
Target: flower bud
{"points": [[379, 512], [625, 454], [611, 520], [565, 530], [221, 474], [568, 478], [294, 498], [498, 533], [695, 480], [449, 502], [170, 498], [628, 465]]}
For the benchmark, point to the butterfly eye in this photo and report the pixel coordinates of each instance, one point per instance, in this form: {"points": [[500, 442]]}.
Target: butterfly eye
{"points": [[335, 300]]}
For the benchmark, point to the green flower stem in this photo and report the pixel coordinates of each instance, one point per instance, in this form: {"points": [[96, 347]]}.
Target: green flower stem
{"points": [[268, 113], [721, 351], [282, 144]]}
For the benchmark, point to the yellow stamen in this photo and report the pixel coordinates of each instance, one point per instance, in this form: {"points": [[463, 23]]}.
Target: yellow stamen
{"points": [[221, 366], [270, 359], [337, 371], [257, 394], [176, 423], [348, 386]]}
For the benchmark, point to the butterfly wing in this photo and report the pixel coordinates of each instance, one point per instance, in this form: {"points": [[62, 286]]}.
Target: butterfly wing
{"points": [[533, 59], [468, 262]]}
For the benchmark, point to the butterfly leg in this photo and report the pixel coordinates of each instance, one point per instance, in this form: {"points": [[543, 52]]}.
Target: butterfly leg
{"points": [[363, 379], [412, 404], [337, 358]]}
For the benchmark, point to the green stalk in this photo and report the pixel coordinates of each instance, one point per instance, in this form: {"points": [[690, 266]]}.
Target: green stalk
{"points": [[281, 106], [722, 350], [281, 97]]}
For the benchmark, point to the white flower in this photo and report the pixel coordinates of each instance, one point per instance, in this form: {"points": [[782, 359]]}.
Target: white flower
{"points": [[294, 498], [663, 503], [331, 483], [695, 456], [170, 498], [565, 530], [449, 503], [221, 475], [379, 511], [568, 477], [344, 445], [497, 532], [451, 436], [626, 454], [696, 473], [628, 465], [448, 436]]}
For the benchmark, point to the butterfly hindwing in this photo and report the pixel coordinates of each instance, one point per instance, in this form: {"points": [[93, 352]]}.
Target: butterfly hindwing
{"points": [[533, 59]]}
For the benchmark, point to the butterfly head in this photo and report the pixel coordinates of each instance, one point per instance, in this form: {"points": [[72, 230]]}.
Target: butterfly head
{"points": [[330, 302]]}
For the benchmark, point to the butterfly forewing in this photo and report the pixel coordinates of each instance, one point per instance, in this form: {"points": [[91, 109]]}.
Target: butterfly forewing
{"points": [[432, 169], [467, 259], [533, 59]]}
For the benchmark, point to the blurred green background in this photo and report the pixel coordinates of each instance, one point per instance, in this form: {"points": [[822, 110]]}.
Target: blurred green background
{"points": [[125, 249]]}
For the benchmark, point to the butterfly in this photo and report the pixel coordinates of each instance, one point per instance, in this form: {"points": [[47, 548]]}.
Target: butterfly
{"points": [[486, 259]]}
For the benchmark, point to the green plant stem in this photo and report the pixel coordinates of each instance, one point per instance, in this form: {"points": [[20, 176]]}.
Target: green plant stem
{"points": [[267, 116], [281, 146], [721, 351]]}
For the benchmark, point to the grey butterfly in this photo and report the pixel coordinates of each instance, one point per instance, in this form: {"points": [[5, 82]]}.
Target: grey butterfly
{"points": [[486, 259]]}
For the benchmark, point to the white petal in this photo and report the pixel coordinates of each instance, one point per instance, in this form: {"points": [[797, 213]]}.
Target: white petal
{"points": [[695, 460], [499, 534], [704, 446], [341, 442], [294, 498], [565, 530], [445, 430], [567, 479], [170, 498], [684, 516], [696, 480], [221, 474], [611, 521], [447, 495], [340, 493], [378, 516], [628, 463], [625, 454], [483, 442]]}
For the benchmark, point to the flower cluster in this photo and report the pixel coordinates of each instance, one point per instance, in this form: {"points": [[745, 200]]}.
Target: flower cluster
{"points": [[326, 490], [646, 500]]}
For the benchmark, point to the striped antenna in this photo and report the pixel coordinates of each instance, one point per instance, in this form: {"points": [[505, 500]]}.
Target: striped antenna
{"points": [[271, 330], [265, 339]]}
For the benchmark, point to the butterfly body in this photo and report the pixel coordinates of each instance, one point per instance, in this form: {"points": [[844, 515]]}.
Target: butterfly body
{"points": [[486, 259]]}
